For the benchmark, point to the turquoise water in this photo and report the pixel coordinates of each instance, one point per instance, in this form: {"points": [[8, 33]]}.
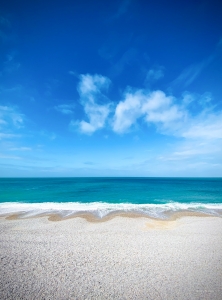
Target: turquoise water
{"points": [[100, 196]]}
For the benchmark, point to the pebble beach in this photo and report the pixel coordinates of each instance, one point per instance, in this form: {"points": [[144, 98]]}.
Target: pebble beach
{"points": [[120, 258]]}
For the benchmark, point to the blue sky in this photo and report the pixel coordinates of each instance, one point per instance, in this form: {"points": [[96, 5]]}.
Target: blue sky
{"points": [[111, 88]]}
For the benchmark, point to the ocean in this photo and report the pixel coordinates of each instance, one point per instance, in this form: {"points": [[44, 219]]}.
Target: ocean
{"points": [[154, 197]]}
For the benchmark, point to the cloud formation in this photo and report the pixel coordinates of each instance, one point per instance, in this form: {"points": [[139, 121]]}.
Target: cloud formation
{"points": [[154, 107], [189, 117], [90, 90], [92, 84]]}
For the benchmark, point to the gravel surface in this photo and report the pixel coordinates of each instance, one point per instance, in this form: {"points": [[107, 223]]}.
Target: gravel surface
{"points": [[123, 258]]}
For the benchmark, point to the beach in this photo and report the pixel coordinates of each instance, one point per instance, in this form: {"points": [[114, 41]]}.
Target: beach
{"points": [[123, 257]]}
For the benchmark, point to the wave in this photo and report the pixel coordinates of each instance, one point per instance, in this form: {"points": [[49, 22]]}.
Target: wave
{"points": [[102, 209]]}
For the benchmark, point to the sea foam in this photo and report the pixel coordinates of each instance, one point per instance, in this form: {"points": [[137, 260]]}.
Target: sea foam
{"points": [[102, 209]]}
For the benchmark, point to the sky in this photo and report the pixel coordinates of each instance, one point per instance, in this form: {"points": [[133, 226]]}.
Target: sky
{"points": [[111, 88]]}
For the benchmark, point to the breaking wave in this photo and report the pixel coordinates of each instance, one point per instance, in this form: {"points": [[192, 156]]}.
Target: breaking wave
{"points": [[102, 209]]}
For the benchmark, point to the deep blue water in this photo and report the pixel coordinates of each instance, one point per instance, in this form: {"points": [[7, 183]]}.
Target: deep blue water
{"points": [[136, 191], [111, 190]]}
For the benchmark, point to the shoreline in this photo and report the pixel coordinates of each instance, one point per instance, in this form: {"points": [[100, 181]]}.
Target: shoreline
{"points": [[100, 211], [92, 218]]}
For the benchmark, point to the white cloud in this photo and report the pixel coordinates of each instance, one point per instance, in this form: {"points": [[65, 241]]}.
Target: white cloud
{"points": [[168, 116], [86, 127], [128, 111], [154, 107], [90, 84], [97, 115], [160, 108], [90, 88], [190, 117]]}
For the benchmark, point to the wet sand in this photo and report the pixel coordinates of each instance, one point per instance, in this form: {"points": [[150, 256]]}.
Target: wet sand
{"points": [[122, 257]]}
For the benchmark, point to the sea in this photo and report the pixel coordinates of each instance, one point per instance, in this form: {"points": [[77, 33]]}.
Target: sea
{"points": [[101, 196]]}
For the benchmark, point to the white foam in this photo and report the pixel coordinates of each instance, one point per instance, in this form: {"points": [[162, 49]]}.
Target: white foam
{"points": [[101, 209]]}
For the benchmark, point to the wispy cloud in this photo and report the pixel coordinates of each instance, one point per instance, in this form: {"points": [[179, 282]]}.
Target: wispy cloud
{"points": [[154, 74], [66, 109], [208, 125], [8, 135], [20, 149], [3, 156], [193, 157], [10, 122], [90, 90], [73, 73], [189, 149], [189, 74], [9, 115]]}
